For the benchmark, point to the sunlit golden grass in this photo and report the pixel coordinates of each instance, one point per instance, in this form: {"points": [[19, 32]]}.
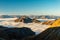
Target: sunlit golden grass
{"points": [[56, 23]]}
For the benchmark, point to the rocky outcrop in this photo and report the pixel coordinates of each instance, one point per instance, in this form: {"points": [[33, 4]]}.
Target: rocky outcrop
{"points": [[35, 20], [26, 19], [48, 22]]}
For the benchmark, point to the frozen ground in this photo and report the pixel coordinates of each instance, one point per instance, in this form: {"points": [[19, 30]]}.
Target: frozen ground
{"points": [[36, 27]]}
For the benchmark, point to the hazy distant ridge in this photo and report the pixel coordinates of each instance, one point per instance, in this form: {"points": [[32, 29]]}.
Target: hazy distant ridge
{"points": [[31, 16]]}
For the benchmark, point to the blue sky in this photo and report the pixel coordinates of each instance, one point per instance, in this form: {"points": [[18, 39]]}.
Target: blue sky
{"points": [[30, 7]]}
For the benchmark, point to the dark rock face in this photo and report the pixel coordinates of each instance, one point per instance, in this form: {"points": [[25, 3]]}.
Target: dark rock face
{"points": [[27, 20], [35, 20], [48, 34], [16, 33]]}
